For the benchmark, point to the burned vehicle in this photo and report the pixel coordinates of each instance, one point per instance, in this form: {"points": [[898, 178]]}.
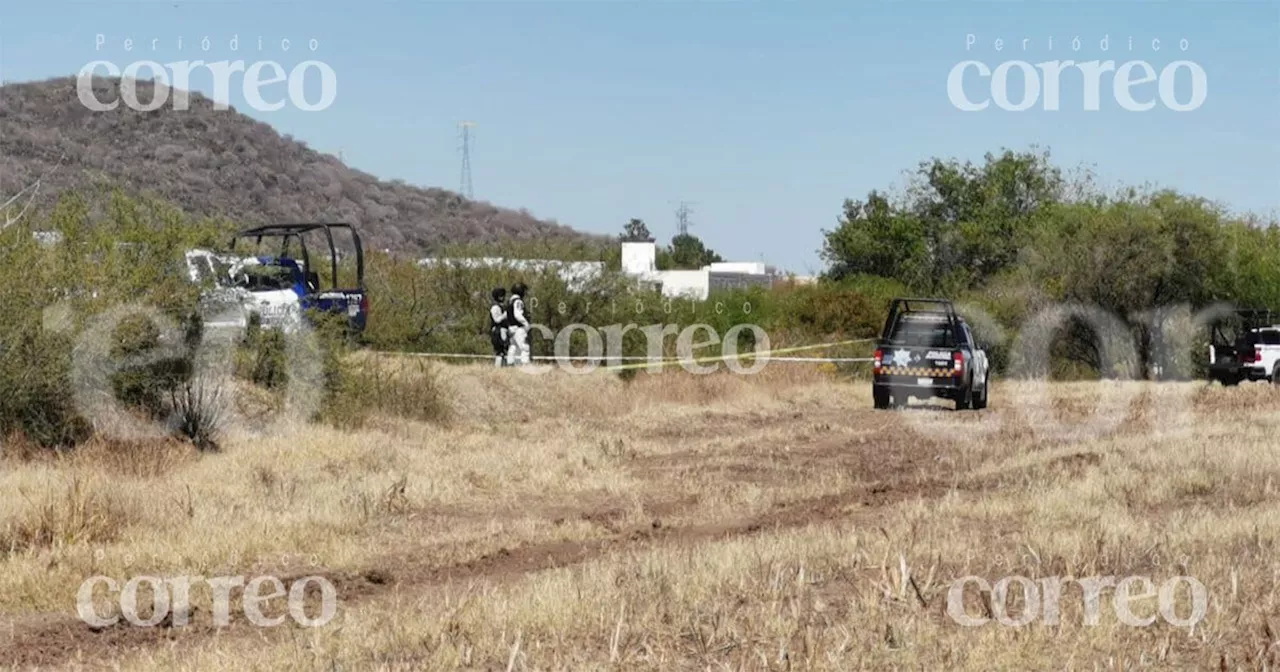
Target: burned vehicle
{"points": [[277, 290]]}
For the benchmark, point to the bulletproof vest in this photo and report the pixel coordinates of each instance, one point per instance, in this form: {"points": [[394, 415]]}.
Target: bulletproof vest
{"points": [[511, 311], [500, 322]]}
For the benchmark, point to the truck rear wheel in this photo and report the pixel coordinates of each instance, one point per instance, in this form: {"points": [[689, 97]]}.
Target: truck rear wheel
{"points": [[964, 402], [880, 396], [980, 401]]}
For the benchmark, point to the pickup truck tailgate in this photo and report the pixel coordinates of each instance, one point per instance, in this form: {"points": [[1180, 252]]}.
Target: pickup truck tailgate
{"points": [[919, 366]]}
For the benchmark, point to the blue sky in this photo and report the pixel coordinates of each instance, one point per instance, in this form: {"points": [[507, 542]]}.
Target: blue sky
{"points": [[767, 115]]}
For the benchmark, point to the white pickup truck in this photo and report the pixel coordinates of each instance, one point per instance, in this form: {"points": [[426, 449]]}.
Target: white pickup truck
{"points": [[240, 287], [1254, 355]]}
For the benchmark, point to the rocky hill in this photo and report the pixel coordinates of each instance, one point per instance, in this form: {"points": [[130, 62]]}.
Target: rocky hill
{"points": [[223, 163]]}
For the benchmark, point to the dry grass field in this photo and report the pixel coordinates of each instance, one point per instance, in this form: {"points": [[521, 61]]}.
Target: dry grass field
{"points": [[674, 522]]}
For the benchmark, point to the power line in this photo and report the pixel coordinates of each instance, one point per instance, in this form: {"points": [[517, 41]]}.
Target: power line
{"points": [[466, 189], [682, 217]]}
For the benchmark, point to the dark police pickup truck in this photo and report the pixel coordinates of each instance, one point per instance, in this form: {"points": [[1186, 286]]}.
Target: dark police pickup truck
{"points": [[926, 350]]}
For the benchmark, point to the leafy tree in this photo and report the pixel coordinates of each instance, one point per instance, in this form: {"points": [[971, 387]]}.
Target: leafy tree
{"points": [[976, 218], [635, 231], [1013, 236], [874, 238], [688, 251], [956, 227]]}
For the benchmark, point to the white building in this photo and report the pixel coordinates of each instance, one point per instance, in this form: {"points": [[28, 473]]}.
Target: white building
{"points": [[575, 274], [640, 260], [744, 267]]}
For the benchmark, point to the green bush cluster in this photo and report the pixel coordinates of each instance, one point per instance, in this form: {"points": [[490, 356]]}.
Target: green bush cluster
{"points": [[115, 251], [1014, 236]]}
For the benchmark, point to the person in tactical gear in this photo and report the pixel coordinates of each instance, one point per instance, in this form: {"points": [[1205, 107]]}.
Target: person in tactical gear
{"points": [[517, 327], [498, 335]]}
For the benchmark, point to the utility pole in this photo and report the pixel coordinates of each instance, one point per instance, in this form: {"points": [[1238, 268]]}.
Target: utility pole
{"points": [[682, 217], [465, 188]]}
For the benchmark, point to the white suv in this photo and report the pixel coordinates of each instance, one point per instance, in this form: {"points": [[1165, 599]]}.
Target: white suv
{"points": [[1256, 357]]}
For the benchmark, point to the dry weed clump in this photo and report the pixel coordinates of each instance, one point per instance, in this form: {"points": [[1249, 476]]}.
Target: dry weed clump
{"points": [[486, 395], [675, 386], [67, 511], [368, 388], [142, 458], [200, 409], [145, 459], [16, 448]]}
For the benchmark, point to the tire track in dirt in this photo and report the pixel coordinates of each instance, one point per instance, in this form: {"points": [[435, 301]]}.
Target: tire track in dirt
{"points": [[58, 640]]}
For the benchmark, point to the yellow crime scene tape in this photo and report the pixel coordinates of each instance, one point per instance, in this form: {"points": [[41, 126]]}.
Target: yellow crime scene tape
{"points": [[662, 361], [752, 355]]}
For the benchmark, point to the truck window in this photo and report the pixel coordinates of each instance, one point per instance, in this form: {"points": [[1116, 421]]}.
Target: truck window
{"points": [[925, 331], [1269, 337], [266, 277], [202, 267]]}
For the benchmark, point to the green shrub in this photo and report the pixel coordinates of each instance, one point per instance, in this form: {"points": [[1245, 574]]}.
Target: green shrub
{"points": [[368, 388], [146, 386], [115, 251], [37, 402], [261, 357]]}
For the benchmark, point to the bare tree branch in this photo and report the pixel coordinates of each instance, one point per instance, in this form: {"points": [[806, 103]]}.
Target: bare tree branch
{"points": [[9, 221], [18, 195]]}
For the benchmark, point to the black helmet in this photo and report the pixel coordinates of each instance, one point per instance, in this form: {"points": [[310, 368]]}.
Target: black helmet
{"points": [[499, 294], [519, 289]]}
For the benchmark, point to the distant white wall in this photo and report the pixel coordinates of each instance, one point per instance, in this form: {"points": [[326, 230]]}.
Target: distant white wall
{"points": [[639, 258], [577, 274], [749, 267], [574, 273], [693, 284], [720, 280]]}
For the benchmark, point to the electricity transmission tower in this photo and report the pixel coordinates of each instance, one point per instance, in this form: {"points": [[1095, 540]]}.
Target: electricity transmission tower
{"points": [[682, 217], [465, 189]]}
